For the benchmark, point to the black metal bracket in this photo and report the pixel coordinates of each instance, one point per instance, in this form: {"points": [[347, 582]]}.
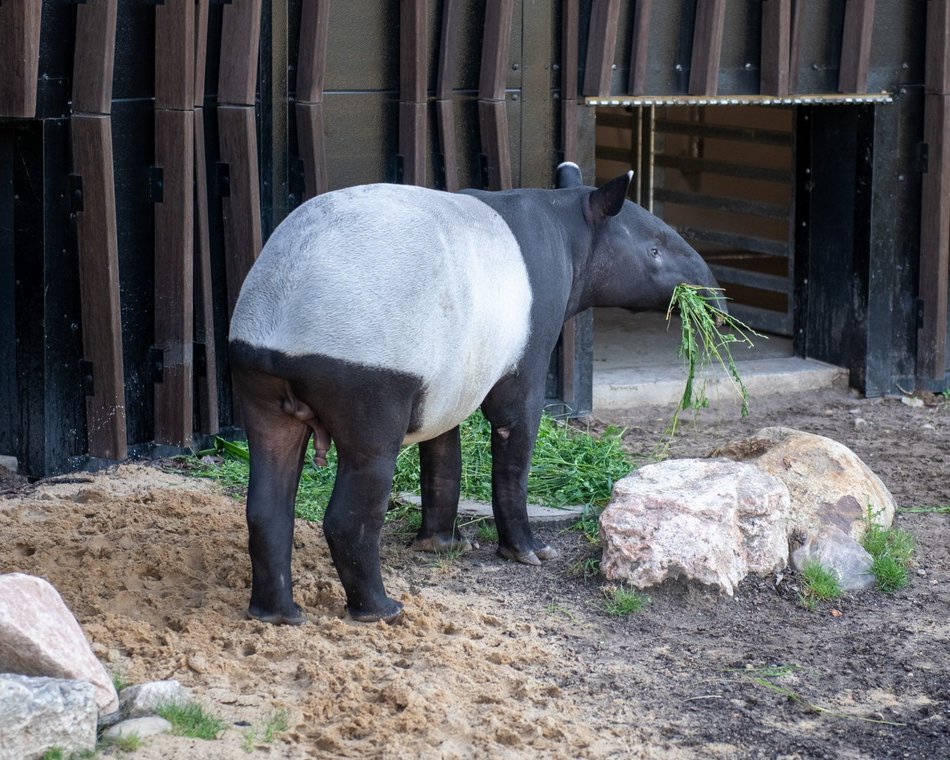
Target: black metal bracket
{"points": [[87, 378], [923, 157], [223, 177], [156, 364], [156, 184], [74, 193]]}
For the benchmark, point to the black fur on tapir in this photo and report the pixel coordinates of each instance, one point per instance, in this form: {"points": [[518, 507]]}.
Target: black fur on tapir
{"points": [[385, 314]]}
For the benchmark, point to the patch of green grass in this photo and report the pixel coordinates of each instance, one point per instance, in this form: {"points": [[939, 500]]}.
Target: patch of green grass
{"points": [[53, 753], [556, 609], [127, 743], [275, 724], [622, 601], [485, 530], [569, 467], [944, 510], [192, 720], [589, 567], [819, 584], [892, 549], [118, 681]]}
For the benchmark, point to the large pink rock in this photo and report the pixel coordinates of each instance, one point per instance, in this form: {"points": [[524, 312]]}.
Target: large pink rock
{"points": [[40, 637], [701, 519]]}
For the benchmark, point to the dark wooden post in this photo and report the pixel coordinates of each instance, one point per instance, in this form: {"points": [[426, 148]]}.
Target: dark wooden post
{"points": [[935, 198], [19, 56], [639, 48], [444, 105], [413, 49], [707, 47], [94, 184], [311, 67], [492, 113], [776, 41], [601, 43], [856, 46]]}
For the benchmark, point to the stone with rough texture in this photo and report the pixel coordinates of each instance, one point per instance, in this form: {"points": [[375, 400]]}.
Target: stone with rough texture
{"points": [[828, 483], [836, 551], [142, 699], [700, 519], [38, 714], [140, 727], [40, 637]]}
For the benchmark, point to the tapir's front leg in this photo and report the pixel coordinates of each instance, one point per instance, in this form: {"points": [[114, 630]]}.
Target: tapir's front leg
{"points": [[514, 430], [440, 462]]}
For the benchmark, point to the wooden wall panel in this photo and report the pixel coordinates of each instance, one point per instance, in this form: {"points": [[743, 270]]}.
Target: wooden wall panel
{"points": [[175, 54], [94, 56], [19, 56], [312, 147], [492, 116], [856, 46], [707, 47], [312, 55], [413, 78], [240, 44], [444, 105], [174, 276], [99, 286], [206, 375], [201, 49], [639, 48], [601, 44], [776, 43], [241, 207]]}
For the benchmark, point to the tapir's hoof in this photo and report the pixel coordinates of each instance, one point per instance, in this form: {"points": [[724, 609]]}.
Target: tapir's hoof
{"points": [[390, 613], [529, 557], [442, 544], [295, 617]]}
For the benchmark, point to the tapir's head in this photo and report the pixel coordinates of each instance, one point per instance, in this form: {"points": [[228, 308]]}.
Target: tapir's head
{"points": [[635, 258]]}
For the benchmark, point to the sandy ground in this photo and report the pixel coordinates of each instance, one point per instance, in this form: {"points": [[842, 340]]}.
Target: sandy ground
{"points": [[494, 659]]}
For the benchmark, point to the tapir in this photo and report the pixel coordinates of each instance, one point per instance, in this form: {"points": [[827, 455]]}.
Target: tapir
{"points": [[382, 315]]}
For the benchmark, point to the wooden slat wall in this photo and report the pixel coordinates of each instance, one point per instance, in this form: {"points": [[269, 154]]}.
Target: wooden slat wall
{"points": [[413, 69], [492, 115], [639, 48], [602, 42], [97, 237], [707, 47], [856, 46], [444, 105], [19, 56], [175, 50], [935, 197], [776, 40], [240, 44], [311, 68]]}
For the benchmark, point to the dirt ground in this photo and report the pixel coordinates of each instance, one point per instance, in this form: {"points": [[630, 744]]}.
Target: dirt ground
{"points": [[494, 659]]}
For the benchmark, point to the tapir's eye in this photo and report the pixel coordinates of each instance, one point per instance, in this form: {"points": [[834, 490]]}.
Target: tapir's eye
{"points": [[655, 253]]}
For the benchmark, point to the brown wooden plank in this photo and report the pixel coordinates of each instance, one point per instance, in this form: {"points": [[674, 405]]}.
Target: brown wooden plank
{"points": [[496, 42], [493, 128], [776, 42], [937, 76], [19, 56], [794, 51], [413, 78], [206, 377], [935, 239], [707, 47], [448, 145], [106, 434], [241, 209], [311, 146], [601, 44], [412, 142], [856, 46], [240, 42], [448, 49], [639, 49], [569, 61], [174, 274], [175, 54], [201, 49], [312, 54], [94, 56]]}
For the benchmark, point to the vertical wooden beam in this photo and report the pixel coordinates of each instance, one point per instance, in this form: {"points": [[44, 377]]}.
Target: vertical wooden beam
{"points": [[99, 286], [19, 56], [492, 115], [175, 54], [794, 52], [311, 69], [241, 206], [201, 50], [444, 106], [707, 47], [935, 198], [776, 41], [240, 46], [94, 56], [413, 49], [601, 44], [570, 43], [856, 46], [639, 48]]}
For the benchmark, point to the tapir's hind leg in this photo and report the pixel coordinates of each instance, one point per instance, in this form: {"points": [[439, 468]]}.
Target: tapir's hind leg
{"points": [[277, 442], [440, 462]]}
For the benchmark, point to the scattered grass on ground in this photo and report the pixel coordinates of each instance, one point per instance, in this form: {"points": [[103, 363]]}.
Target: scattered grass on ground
{"points": [[589, 567], [819, 584], [192, 720], [943, 510], [622, 601], [128, 743], [118, 681], [891, 549], [275, 724]]}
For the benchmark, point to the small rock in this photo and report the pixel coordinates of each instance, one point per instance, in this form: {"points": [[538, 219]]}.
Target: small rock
{"points": [[39, 714], [860, 422], [142, 699], [140, 727], [836, 551], [912, 401]]}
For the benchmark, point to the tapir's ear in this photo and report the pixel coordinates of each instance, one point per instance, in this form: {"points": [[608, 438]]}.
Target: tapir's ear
{"points": [[608, 200], [568, 174]]}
